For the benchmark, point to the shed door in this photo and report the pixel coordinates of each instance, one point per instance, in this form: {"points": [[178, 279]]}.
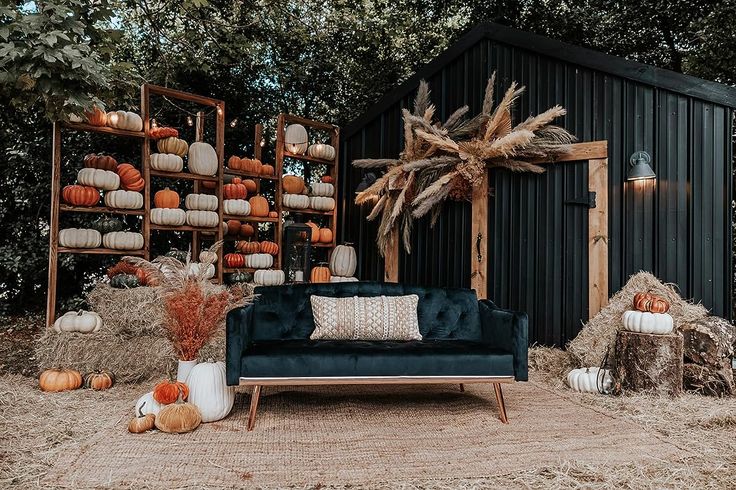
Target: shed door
{"points": [[538, 248]]}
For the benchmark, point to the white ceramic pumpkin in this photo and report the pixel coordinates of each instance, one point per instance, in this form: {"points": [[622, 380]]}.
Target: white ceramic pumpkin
{"points": [[322, 189], [209, 392], [259, 261], [236, 207], [343, 279], [319, 203], [124, 199], [167, 162], [343, 261], [295, 201], [646, 322], [101, 179], [194, 268], [123, 240], [147, 405], [587, 380], [78, 321], [321, 150], [202, 219], [173, 146], [79, 238], [168, 216], [201, 202], [127, 120], [269, 277], [296, 139], [202, 159]]}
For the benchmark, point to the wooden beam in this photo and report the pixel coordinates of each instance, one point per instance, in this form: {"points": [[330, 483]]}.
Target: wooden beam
{"points": [[592, 150], [391, 259], [54, 225], [479, 239], [598, 237]]}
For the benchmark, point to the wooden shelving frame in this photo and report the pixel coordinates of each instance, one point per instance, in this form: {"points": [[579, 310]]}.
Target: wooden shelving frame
{"points": [[332, 168]]}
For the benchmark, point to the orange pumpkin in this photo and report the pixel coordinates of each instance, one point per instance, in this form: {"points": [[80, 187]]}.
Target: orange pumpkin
{"points": [[250, 185], [269, 248], [167, 391], [59, 379], [234, 163], [235, 190], [80, 195], [292, 184], [104, 162], [166, 198], [234, 260], [325, 235], [273, 214], [130, 177], [208, 184], [651, 303], [247, 230], [315, 231], [161, 132], [267, 170], [327, 179], [233, 227], [321, 273], [97, 117], [99, 380], [258, 206], [248, 247]]}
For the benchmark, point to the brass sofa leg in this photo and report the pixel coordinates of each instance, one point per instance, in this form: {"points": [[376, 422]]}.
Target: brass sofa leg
{"points": [[462, 387], [253, 406], [499, 400]]}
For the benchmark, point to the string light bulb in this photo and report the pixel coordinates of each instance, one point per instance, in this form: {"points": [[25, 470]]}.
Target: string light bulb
{"points": [[263, 143], [190, 121], [234, 122], [153, 123]]}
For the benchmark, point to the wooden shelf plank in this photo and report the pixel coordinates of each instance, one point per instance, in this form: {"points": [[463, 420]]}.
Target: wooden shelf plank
{"points": [[99, 209], [228, 270], [183, 228], [291, 119], [307, 158], [307, 211], [183, 175], [250, 175], [251, 219], [323, 245], [100, 251], [102, 129]]}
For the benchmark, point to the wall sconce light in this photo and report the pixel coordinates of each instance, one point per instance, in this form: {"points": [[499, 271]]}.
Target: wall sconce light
{"points": [[639, 167]]}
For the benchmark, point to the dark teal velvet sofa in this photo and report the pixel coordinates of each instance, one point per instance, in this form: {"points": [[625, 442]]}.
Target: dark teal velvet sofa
{"points": [[464, 341]]}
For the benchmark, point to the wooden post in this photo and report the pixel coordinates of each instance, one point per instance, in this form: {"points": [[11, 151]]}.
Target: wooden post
{"points": [[479, 239], [278, 226], [146, 171], [257, 149], [334, 172], [220, 148], [54, 224], [198, 137], [598, 237], [391, 259]]}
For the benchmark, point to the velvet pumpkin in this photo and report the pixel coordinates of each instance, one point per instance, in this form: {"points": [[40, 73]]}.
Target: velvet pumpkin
{"points": [[130, 177], [167, 391], [172, 145], [247, 230], [250, 185], [142, 421], [160, 132], [166, 198], [97, 117], [233, 227], [99, 380], [319, 274], [178, 417], [104, 162], [235, 190], [258, 206], [59, 379], [80, 195]]}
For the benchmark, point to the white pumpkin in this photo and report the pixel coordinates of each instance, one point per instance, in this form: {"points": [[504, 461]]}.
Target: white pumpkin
{"points": [[79, 238], [201, 202], [322, 203], [295, 201], [258, 261], [296, 139], [123, 240], [269, 277], [124, 199], [202, 159], [168, 216], [208, 256], [172, 145], [127, 120], [194, 268], [237, 207], [646, 322], [587, 380], [202, 219], [209, 392], [343, 261], [147, 405], [167, 162], [322, 189], [78, 321], [343, 279], [321, 150], [101, 179]]}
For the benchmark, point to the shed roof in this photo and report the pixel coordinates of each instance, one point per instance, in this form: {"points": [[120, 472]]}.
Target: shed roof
{"points": [[657, 77]]}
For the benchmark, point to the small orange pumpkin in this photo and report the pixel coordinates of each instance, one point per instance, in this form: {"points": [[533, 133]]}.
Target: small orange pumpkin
{"points": [[166, 198], [273, 214], [80, 195], [97, 117], [250, 185], [161, 132], [258, 206], [315, 232], [321, 273], [208, 184], [104, 162], [248, 247], [234, 260], [99, 380], [233, 163], [167, 391], [59, 379], [271, 248], [327, 179], [651, 303], [233, 227], [235, 190], [247, 230], [130, 178], [325, 235], [292, 184], [267, 170]]}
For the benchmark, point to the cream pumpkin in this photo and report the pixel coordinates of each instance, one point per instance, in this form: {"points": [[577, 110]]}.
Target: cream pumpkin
{"points": [[124, 199], [202, 219], [321, 150], [201, 202], [589, 380], [129, 121], [269, 277], [296, 139], [322, 203], [322, 189], [209, 392], [295, 201], [259, 261], [98, 178], [79, 238], [78, 321], [167, 162], [168, 216], [236, 207], [645, 322], [123, 240], [147, 405], [202, 159], [343, 261], [172, 145]]}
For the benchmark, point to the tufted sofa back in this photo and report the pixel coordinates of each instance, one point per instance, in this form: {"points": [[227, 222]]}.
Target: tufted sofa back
{"points": [[285, 312]]}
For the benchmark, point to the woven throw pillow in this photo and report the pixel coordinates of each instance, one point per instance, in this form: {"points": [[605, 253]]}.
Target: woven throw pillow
{"points": [[366, 318]]}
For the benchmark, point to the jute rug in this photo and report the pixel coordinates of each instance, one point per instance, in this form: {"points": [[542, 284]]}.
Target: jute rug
{"points": [[362, 435]]}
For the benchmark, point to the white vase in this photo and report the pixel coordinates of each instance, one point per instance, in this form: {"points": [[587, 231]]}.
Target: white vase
{"points": [[185, 367]]}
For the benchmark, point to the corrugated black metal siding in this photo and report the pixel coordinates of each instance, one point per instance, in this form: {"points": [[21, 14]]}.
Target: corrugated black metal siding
{"points": [[678, 227]]}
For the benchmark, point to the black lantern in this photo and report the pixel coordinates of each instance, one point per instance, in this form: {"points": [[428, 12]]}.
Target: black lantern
{"points": [[298, 251]]}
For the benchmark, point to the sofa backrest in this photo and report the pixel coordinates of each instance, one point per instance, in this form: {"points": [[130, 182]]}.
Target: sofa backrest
{"points": [[285, 312]]}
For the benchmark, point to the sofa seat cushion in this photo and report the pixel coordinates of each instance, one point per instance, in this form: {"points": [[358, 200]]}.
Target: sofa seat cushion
{"points": [[341, 358]]}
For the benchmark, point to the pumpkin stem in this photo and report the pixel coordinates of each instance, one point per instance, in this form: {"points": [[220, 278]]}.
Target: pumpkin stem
{"points": [[140, 409]]}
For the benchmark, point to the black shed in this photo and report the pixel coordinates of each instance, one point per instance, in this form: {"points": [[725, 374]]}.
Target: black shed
{"points": [[677, 226]]}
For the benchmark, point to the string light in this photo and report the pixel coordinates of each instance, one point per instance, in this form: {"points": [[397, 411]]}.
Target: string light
{"points": [[190, 121], [234, 122], [153, 123], [263, 143]]}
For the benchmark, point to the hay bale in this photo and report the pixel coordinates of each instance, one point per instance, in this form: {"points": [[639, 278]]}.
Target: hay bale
{"points": [[128, 312], [550, 360], [590, 346]]}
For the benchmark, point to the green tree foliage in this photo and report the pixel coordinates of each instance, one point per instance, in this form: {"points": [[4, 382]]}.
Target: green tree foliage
{"points": [[327, 59]]}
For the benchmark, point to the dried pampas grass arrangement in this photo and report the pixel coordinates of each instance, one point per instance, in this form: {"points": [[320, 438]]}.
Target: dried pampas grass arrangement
{"points": [[447, 160]]}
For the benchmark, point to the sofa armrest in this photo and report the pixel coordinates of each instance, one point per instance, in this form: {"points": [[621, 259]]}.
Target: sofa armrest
{"points": [[507, 330], [237, 340]]}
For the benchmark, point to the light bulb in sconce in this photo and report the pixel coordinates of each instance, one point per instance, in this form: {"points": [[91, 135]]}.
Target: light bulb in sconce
{"points": [[190, 121]]}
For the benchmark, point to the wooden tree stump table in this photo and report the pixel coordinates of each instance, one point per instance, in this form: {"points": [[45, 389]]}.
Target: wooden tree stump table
{"points": [[647, 362]]}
